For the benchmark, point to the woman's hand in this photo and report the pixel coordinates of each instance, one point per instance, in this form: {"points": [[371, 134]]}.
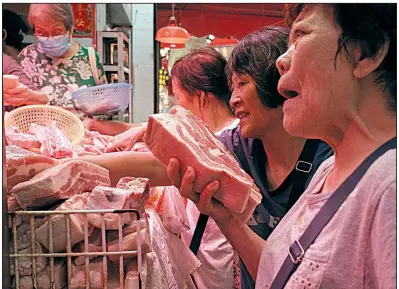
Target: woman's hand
{"points": [[89, 123], [16, 96], [204, 201], [126, 140]]}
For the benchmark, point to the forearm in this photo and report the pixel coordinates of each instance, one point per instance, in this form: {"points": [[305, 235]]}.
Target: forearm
{"points": [[246, 242], [132, 164], [108, 127], [36, 97]]}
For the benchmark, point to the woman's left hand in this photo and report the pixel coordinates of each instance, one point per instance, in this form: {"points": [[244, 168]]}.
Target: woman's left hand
{"points": [[89, 123], [16, 96]]}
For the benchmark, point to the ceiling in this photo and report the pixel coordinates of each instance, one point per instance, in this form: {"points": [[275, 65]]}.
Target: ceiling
{"points": [[221, 19], [272, 10]]}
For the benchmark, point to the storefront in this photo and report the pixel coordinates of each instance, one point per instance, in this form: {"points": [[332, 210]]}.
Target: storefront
{"points": [[216, 25]]}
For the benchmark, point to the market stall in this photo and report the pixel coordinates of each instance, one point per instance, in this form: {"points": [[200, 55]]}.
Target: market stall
{"points": [[69, 226]]}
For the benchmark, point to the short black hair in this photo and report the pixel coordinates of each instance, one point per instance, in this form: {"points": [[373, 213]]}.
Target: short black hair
{"points": [[15, 27], [203, 69], [367, 25], [256, 55]]}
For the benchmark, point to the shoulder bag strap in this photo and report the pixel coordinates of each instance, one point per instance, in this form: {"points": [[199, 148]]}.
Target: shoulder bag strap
{"points": [[298, 248], [93, 64], [302, 168], [198, 233]]}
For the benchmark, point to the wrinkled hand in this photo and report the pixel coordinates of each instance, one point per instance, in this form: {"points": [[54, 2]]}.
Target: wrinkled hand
{"points": [[126, 140], [88, 123], [16, 96], [204, 201]]}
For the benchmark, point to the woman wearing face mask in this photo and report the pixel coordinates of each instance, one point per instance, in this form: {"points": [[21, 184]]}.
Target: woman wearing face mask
{"points": [[55, 64]]}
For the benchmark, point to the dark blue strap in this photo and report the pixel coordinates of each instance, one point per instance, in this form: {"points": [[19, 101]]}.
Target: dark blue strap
{"points": [[198, 233], [299, 247], [302, 168]]}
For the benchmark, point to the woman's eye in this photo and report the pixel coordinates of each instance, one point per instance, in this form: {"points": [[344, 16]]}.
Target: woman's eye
{"points": [[298, 34], [241, 83]]}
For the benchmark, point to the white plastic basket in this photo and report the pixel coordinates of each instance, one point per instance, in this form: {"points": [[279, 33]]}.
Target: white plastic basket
{"points": [[23, 117], [102, 99]]}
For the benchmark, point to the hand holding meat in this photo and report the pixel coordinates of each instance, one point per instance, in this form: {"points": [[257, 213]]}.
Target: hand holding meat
{"points": [[126, 140], [16, 96], [204, 201]]}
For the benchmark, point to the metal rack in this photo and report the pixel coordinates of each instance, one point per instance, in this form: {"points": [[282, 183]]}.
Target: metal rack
{"points": [[15, 257], [121, 66]]}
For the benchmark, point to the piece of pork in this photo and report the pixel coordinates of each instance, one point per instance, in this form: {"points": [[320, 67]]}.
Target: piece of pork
{"points": [[59, 226], [60, 182], [22, 165]]}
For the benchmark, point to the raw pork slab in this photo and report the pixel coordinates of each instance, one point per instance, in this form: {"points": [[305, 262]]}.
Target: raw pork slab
{"points": [[132, 275], [77, 202], [12, 203], [182, 136], [96, 275], [95, 245], [22, 165], [24, 140], [127, 229], [254, 200], [97, 139], [43, 278], [53, 141], [133, 196], [25, 263], [60, 182], [103, 106], [24, 237], [129, 243]]}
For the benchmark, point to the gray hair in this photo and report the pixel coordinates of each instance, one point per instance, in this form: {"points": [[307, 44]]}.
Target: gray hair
{"points": [[52, 12]]}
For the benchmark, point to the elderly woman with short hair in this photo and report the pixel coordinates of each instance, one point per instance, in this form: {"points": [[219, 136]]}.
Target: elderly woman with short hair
{"points": [[55, 64]]}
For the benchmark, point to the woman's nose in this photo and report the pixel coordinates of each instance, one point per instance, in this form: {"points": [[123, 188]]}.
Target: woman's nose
{"points": [[234, 100], [283, 63]]}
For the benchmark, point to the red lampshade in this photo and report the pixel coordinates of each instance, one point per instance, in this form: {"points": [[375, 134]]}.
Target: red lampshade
{"points": [[230, 40], [172, 45], [172, 33]]}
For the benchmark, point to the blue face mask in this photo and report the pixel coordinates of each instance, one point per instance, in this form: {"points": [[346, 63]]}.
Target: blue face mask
{"points": [[55, 47]]}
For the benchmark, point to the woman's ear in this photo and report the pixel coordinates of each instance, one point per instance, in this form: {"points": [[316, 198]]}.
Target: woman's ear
{"points": [[70, 35], [364, 66], [4, 34], [203, 98]]}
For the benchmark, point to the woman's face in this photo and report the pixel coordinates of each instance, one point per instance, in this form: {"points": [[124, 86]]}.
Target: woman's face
{"points": [[319, 95], [256, 119], [186, 100], [46, 28]]}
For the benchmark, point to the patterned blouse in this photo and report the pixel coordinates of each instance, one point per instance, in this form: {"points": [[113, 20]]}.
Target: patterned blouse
{"points": [[59, 78]]}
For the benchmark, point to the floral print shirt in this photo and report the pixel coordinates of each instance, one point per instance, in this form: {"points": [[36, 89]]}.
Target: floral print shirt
{"points": [[60, 77]]}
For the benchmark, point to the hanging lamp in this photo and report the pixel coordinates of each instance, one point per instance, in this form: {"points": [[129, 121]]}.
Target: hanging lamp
{"points": [[172, 34], [228, 41], [172, 45]]}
